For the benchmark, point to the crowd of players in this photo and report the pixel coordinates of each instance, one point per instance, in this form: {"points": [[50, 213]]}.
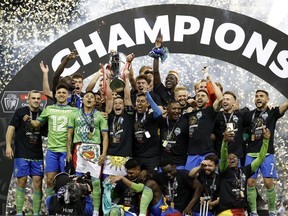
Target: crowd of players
{"points": [[152, 145]]}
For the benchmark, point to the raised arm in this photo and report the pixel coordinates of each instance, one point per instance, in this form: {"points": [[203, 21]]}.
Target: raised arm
{"points": [[263, 151], [108, 99], [217, 92], [132, 80], [157, 76], [283, 108], [94, 80], [157, 112], [195, 171], [61, 67], [127, 94], [46, 88], [224, 150]]}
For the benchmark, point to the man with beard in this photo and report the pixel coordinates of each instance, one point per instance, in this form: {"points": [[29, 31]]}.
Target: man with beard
{"points": [[181, 191], [182, 95], [201, 124], [174, 135], [146, 144], [234, 118], [166, 93], [209, 178], [233, 180], [258, 118], [86, 128], [28, 155], [120, 123]]}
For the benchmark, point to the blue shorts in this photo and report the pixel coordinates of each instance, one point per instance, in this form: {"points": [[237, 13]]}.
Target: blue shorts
{"points": [[194, 161], [24, 167], [268, 167], [55, 161]]}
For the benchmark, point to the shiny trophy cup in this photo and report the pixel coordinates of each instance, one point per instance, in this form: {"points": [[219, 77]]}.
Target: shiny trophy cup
{"points": [[117, 63]]}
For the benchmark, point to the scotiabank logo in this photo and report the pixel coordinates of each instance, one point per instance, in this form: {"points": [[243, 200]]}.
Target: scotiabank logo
{"points": [[12, 100]]}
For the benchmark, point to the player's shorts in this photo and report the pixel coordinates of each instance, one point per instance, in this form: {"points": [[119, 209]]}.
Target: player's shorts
{"points": [[194, 161], [55, 161], [26, 167], [267, 168]]}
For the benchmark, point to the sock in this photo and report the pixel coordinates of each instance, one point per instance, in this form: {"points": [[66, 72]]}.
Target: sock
{"points": [[20, 198], [49, 192], [37, 200], [251, 198], [96, 194], [147, 196], [271, 195]]}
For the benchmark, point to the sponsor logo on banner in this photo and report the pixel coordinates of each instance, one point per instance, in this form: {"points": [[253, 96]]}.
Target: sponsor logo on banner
{"points": [[12, 100]]}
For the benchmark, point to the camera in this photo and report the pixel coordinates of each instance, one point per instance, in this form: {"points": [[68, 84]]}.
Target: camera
{"points": [[75, 191], [72, 188], [79, 187]]}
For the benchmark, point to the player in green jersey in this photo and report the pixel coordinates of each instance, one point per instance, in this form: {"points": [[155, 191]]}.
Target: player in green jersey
{"points": [[57, 116], [88, 126]]}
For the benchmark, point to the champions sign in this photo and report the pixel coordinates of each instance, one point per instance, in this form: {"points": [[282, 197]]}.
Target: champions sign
{"points": [[191, 29]]}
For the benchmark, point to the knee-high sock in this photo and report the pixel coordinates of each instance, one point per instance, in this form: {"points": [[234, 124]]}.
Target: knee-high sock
{"points": [[37, 200], [271, 195], [49, 192], [20, 198], [251, 198], [147, 196], [96, 194]]}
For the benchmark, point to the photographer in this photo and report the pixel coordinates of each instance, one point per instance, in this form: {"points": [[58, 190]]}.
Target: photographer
{"points": [[71, 196]]}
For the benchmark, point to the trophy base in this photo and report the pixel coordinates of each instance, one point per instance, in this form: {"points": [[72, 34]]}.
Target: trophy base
{"points": [[117, 84]]}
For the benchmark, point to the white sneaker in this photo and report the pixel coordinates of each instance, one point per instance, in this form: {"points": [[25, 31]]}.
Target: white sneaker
{"points": [[95, 213]]}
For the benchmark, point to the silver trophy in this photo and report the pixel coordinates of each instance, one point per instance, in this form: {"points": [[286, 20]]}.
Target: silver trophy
{"points": [[117, 65]]}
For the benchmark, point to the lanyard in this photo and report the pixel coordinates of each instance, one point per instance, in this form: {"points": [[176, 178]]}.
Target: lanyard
{"points": [[91, 122], [172, 189], [212, 186], [240, 180], [230, 117], [142, 121], [260, 115], [169, 134], [31, 114], [119, 122]]}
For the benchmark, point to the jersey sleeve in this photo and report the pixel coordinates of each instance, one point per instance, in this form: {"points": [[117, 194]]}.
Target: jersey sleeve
{"points": [[44, 115], [103, 124]]}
